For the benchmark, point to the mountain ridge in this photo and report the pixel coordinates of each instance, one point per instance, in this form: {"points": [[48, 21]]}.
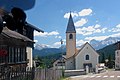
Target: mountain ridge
{"points": [[43, 50]]}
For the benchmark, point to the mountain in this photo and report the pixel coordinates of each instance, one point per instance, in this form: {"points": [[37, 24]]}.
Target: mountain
{"points": [[93, 41], [98, 45], [40, 46], [106, 52], [43, 50], [48, 51]]}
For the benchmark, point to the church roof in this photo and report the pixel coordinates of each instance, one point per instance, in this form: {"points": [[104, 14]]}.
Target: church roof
{"points": [[83, 47], [70, 26], [78, 51]]}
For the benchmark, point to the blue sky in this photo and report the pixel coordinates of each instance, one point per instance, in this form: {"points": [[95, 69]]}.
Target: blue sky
{"points": [[93, 19]]}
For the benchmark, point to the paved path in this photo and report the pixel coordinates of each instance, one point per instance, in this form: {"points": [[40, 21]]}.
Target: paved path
{"points": [[108, 75]]}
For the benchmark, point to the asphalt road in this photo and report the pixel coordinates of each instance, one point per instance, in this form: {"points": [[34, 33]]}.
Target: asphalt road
{"points": [[108, 75]]}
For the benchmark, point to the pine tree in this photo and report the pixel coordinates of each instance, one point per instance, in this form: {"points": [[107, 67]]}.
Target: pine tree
{"points": [[103, 58]]}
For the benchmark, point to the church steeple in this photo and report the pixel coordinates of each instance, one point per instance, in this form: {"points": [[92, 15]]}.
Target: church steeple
{"points": [[70, 38], [70, 26]]}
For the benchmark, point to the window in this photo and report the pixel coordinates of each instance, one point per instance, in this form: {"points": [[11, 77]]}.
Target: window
{"points": [[87, 57], [70, 36], [12, 59], [18, 56], [117, 53]]}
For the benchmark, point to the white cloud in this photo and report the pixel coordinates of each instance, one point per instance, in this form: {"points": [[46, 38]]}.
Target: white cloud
{"points": [[118, 26], [103, 30], [99, 38], [88, 33], [74, 14], [115, 35], [58, 37], [53, 33], [36, 41], [91, 30], [66, 15], [97, 31], [80, 42], [85, 12], [56, 45], [116, 29], [81, 22], [45, 34], [97, 26]]}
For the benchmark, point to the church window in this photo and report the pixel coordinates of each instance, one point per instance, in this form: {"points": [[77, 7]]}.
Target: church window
{"points": [[70, 36], [87, 57]]}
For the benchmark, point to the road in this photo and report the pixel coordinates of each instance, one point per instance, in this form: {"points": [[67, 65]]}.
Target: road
{"points": [[108, 75]]}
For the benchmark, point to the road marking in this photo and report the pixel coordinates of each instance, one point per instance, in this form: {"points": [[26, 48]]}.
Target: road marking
{"points": [[118, 76], [85, 76], [105, 76], [92, 76], [112, 76], [98, 76]]}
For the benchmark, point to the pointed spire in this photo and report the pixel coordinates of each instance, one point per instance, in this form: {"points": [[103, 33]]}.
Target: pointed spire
{"points": [[70, 26]]}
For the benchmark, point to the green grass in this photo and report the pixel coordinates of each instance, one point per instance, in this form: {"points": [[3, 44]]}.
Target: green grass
{"points": [[64, 78]]}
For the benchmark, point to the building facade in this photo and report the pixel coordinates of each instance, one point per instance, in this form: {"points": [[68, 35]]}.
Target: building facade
{"points": [[15, 21], [117, 56], [13, 50]]}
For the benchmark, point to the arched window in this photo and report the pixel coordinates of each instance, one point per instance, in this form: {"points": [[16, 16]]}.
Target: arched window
{"points": [[87, 57], [70, 36]]}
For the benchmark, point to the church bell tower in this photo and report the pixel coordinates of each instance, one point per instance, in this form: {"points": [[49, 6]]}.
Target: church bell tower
{"points": [[70, 38]]}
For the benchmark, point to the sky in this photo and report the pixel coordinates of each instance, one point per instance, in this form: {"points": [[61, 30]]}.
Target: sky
{"points": [[93, 19]]}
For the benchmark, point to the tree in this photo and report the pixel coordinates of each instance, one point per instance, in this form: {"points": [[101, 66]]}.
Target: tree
{"points": [[103, 58], [110, 62]]}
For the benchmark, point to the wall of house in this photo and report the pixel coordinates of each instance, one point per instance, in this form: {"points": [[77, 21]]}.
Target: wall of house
{"points": [[70, 64], [29, 56], [117, 59], [16, 51], [80, 58]]}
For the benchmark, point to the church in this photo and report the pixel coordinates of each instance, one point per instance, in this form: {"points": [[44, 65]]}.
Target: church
{"points": [[78, 58]]}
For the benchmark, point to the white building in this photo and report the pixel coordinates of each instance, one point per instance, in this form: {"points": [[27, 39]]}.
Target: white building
{"points": [[59, 64], [117, 57], [78, 59]]}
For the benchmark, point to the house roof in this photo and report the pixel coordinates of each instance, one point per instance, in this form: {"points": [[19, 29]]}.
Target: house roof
{"points": [[70, 26], [32, 26], [61, 59], [13, 34]]}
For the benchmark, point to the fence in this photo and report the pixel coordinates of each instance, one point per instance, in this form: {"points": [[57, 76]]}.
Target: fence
{"points": [[29, 74], [17, 73], [48, 74]]}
